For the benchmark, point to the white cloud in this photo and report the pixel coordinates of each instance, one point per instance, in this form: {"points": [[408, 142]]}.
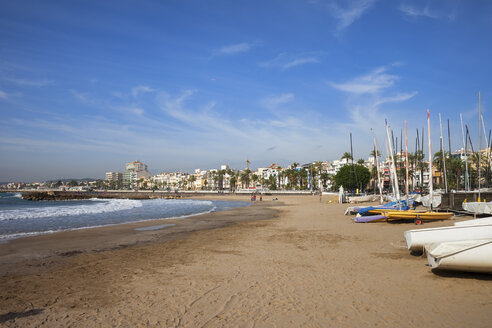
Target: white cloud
{"points": [[30, 83], [141, 89], [443, 9], [417, 12], [373, 82], [273, 102], [346, 16], [284, 61], [234, 48], [80, 96], [300, 61], [3, 95], [397, 98]]}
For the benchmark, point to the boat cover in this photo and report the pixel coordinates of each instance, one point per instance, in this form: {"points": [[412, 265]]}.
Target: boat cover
{"points": [[478, 207]]}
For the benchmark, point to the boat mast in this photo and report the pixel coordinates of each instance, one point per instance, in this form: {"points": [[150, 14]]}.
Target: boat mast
{"points": [[443, 157], [487, 155], [393, 164], [467, 185], [479, 143], [376, 152], [431, 191], [406, 160], [391, 173]]}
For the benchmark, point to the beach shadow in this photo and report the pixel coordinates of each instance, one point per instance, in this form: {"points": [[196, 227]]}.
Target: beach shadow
{"points": [[463, 275], [15, 315]]}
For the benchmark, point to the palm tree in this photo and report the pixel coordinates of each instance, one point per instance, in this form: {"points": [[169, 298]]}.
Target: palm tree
{"points": [[192, 180], [244, 176], [373, 153], [347, 156], [255, 178]]}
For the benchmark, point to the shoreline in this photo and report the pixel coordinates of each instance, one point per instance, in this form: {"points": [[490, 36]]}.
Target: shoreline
{"points": [[302, 264], [13, 252], [40, 233]]}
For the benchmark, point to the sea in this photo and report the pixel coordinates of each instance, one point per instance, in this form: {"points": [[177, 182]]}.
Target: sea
{"points": [[22, 218]]}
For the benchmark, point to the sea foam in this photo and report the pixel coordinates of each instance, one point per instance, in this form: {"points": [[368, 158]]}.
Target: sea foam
{"points": [[101, 206]]}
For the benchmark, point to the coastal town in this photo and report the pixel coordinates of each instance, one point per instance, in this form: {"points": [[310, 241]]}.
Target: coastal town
{"points": [[314, 176]]}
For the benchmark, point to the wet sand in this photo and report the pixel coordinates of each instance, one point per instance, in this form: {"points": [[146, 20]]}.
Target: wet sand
{"points": [[288, 263]]}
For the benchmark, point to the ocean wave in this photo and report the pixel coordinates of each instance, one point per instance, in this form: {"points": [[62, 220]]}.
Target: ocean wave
{"points": [[102, 206], [10, 195]]}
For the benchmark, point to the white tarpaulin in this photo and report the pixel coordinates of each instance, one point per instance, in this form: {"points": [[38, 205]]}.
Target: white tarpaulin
{"points": [[478, 207], [362, 199], [425, 200]]}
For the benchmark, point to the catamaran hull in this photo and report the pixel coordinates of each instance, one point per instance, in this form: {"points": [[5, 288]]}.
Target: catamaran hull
{"points": [[472, 256], [370, 218], [478, 207], [487, 220], [417, 239]]}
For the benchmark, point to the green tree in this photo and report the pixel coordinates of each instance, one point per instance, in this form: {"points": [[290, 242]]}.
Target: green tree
{"points": [[255, 179], [373, 152], [347, 156], [191, 180], [345, 177], [245, 178]]}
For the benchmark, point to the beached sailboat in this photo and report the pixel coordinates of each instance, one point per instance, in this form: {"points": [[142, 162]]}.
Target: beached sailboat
{"points": [[417, 239], [487, 220], [478, 207], [468, 255]]}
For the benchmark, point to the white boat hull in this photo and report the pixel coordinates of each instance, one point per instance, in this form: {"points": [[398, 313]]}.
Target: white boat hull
{"points": [[478, 207], [472, 256], [418, 238], [361, 199], [487, 220]]}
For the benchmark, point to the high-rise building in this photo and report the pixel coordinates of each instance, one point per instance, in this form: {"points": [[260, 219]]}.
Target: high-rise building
{"points": [[113, 176], [134, 171]]}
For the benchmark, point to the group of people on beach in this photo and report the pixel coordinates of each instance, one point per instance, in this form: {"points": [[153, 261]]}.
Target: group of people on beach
{"points": [[253, 197]]}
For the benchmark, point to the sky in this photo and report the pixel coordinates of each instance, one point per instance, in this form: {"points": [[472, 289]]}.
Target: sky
{"points": [[87, 86]]}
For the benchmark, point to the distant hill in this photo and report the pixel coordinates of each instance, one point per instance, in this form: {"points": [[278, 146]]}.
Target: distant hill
{"points": [[70, 179]]}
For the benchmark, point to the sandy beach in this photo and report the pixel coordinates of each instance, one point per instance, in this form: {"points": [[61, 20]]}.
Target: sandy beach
{"points": [[295, 262]]}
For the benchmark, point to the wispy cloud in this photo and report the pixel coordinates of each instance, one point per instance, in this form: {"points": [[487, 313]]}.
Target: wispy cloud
{"points": [[140, 90], [413, 11], [272, 102], [30, 83], [347, 15], [285, 61], [366, 96], [3, 95], [81, 96], [233, 49], [440, 9], [373, 82]]}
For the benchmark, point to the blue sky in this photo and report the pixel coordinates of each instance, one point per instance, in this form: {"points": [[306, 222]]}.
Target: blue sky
{"points": [[86, 86]]}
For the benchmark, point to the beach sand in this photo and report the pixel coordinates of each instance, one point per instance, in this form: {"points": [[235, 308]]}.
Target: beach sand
{"points": [[296, 262]]}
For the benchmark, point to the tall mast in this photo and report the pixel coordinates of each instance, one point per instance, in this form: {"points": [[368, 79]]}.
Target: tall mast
{"points": [[443, 157], [479, 143], [391, 173], [377, 168], [431, 191], [406, 160], [487, 148], [422, 160], [393, 165], [467, 185]]}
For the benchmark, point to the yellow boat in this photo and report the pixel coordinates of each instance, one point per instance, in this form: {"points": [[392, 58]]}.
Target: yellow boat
{"points": [[416, 215]]}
